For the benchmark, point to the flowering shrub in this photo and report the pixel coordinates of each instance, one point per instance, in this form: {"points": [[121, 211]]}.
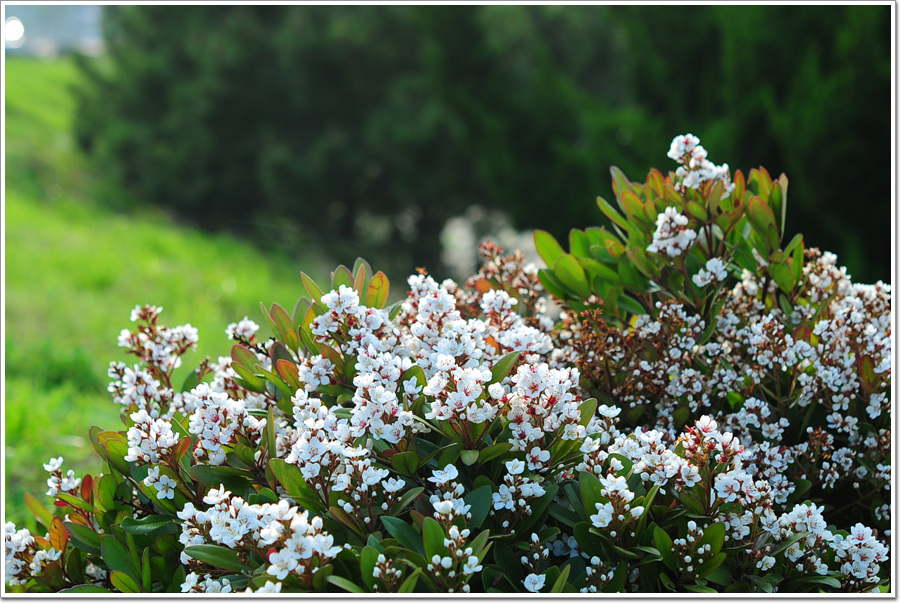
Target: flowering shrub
{"points": [[690, 421]]}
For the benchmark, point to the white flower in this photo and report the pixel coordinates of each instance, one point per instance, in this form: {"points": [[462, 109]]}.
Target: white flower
{"points": [[392, 485], [246, 328], [604, 515], [269, 587], [53, 464], [681, 145], [471, 566], [515, 467], [282, 562], [442, 476], [672, 236], [714, 271], [534, 583], [166, 487], [443, 507]]}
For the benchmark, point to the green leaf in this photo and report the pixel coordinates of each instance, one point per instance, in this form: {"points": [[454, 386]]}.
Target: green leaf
{"points": [[377, 293], [480, 500], [783, 274], [610, 212], [697, 211], [763, 220], [147, 525], [433, 536], [547, 247], [599, 270], [341, 276], [629, 304], [345, 584], [538, 509], [39, 511], [368, 558], [405, 534], [713, 535], [191, 381], [311, 287], [561, 580], [587, 410], [564, 515], [146, 574], [406, 463], [410, 583], [711, 565], [620, 182], [243, 356], [551, 283], [788, 542], [579, 245], [826, 580], [572, 275], [116, 449], [85, 538], [590, 492], [407, 498], [212, 476], [493, 451], [85, 588], [697, 588], [468, 457], [665, 546], [248, 380], [217, 556], [117, 557], [123, 582], [291, 478], [502, 367]]}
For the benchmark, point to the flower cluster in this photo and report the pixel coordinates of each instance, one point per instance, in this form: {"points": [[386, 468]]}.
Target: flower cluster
{"points": [[293, 543], [695, 168], [662, 432], [672, 236]]}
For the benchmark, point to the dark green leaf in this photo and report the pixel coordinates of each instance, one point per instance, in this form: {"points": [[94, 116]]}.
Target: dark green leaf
{"points": [[590, 492], [147, 525], [493, 451], [217, 556], [345, 584], [235, 480], [117, 557], [560, 583], [406, 463], [85, 538], [85, 588], [480, 500], [665, 546], [433, 535], [367, 560], [405, 534], [410, 583], [502, 367]]}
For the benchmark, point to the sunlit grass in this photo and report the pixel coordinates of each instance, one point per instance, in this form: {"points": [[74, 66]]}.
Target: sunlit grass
{"points": [[75, 270]]}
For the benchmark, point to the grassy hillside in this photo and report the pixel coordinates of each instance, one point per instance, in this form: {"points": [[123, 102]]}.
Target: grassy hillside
{"points": [[74, 271]]}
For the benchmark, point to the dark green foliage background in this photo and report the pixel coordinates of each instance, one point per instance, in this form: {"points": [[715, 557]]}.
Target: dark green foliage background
{"points": [[362, 129]]}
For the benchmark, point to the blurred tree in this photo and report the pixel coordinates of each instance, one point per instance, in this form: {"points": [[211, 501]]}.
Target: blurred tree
{"points": [[801, 90], [364, 128]]}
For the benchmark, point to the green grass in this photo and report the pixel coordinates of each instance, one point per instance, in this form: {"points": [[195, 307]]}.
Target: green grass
{"points": [[74, 271]]}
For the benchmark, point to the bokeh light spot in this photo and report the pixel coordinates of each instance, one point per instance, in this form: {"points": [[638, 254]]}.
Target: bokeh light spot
{"points": [[14, 32]]}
